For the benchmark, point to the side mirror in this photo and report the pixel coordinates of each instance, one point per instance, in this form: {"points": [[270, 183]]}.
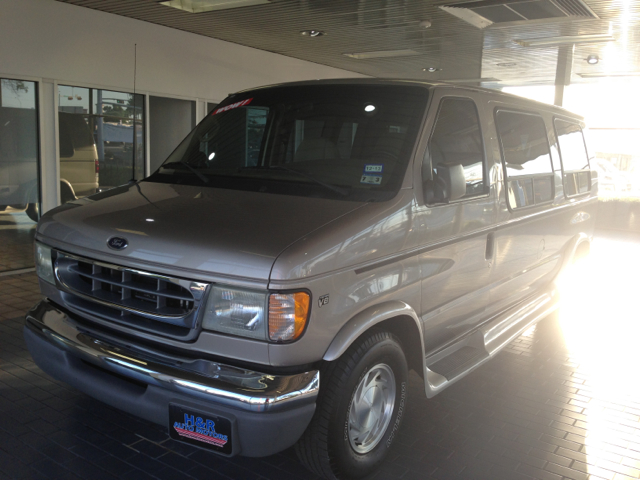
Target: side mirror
{"points": [[453, 177], [448, 184]]}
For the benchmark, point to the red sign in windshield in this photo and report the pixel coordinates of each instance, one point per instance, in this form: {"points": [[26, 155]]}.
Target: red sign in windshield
{"points": [[232, 106]]}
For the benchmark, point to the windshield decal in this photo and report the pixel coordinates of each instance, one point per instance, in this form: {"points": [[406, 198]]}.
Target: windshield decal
{"points": [[371, 179], [373, 168], [232, 106]]}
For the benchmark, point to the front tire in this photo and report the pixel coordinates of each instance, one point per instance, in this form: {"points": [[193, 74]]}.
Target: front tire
{"points": [[362, 398]]}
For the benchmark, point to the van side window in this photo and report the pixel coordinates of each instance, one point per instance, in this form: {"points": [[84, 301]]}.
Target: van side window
{"points": [[526, 158], [573, 157], [457, 140]]}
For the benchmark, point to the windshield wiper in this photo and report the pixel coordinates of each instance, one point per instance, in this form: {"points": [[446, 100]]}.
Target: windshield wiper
{"points": [[196, 172], [342, 191]]}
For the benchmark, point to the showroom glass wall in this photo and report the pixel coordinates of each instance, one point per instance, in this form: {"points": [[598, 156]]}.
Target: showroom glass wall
{"points": [[101, 139], [19, 184]]}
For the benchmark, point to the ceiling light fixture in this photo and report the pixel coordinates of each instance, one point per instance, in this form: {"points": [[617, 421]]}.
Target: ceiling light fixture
{"points": [[431, 69], [425, 24], [312, 33], [507, 64], [201, 6], [382, 54], [549, 41], [470, 80], [592, 59], [613, 74]]}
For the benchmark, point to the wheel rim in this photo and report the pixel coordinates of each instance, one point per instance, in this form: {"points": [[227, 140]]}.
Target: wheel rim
{"points": [[371, 408]]}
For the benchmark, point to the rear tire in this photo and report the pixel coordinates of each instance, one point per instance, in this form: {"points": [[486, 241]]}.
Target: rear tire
{"points": [[362, 399]]}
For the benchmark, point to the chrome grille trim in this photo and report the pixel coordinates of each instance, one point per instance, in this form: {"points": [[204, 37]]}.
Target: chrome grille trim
{"points": [[129, 291]]}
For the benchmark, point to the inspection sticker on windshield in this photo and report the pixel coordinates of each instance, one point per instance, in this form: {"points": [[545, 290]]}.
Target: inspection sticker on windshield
{"points": [[232, 106], [371, 179], [373, 168]]}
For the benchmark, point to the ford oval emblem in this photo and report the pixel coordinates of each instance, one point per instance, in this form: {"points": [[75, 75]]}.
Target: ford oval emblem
{"points": [[117, 243]]}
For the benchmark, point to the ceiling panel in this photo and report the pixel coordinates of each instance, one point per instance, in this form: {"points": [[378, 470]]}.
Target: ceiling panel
{"points": [[456, 49]]}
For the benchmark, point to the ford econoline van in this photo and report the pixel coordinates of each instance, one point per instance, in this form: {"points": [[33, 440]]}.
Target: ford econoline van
{"points": [[306, 245]]}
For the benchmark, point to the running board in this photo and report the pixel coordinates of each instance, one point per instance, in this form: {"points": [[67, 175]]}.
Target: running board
{"points": [[454, 362]]}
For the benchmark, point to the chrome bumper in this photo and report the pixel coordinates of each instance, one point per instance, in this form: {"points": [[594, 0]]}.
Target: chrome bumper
{"points": [[210, 381]]}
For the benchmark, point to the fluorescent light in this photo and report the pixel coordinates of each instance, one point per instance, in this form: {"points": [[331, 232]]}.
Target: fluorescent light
{"points": [[469, 80], [613, 74], [547, 41], [200, 6], [383, 54]]}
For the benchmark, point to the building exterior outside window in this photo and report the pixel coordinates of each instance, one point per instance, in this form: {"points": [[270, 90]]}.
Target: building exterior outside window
{"points": [[101, 138], [19, 183]]}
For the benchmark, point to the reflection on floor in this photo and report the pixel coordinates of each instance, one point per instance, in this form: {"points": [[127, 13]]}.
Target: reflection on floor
{"points": [[16, 240], [560, 402]]}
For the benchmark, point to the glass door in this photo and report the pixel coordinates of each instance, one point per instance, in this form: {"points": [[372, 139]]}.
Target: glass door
{"points": [[19, 183]]}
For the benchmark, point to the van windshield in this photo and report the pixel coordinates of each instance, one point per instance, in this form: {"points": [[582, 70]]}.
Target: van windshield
{"points": [[350, 142]]}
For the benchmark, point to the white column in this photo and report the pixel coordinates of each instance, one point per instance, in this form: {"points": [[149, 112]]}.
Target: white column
{"points": [[147, 144], [49, 149], [201, 110]]}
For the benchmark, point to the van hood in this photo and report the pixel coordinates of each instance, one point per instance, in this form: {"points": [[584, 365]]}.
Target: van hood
{"points": [[214, 231]]}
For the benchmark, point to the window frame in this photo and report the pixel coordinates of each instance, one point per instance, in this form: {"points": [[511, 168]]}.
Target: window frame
{"points": [[504, 163], [486, 191], [586, 151]]}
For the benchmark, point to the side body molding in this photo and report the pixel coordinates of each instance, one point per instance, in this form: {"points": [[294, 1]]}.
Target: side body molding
{"points": [[366, 319]]}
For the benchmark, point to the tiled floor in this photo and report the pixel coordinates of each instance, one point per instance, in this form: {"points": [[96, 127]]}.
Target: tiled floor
{"points": [[562, 401]]}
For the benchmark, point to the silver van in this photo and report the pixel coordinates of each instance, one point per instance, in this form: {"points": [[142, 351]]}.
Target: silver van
{"points": [[308, 244]]}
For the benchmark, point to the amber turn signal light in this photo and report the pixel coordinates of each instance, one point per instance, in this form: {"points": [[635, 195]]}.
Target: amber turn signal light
{"points": [[288, 314]]}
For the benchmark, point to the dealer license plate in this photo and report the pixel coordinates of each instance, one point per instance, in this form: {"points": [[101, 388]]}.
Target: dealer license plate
{"points": [[200, 429]]}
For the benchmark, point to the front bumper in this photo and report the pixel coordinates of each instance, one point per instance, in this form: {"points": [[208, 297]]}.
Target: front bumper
{"points": [[268, 413]]}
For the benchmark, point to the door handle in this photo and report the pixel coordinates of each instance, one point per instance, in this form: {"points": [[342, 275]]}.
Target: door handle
{"points": [[490, 247]]}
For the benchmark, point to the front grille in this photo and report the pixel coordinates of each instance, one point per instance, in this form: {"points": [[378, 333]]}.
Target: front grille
{"points": [[139, 299]]}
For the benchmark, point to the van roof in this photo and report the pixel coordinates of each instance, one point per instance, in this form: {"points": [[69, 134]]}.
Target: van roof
{"points": [[425, 84]]}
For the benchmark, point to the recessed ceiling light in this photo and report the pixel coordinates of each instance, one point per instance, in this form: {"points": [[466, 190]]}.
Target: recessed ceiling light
{"points": [[382, 54], [431, 69], [213, 154], [507, 64], [369, 108], [312, 33], [592, 59], [201, 6], [424, 24], [547, 41]]}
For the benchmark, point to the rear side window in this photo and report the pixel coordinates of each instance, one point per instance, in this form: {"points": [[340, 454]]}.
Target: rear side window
{"points": [[457, 139], [526, 158], [576, 176]]}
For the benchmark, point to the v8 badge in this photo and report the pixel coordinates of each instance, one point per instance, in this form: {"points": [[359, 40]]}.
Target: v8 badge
{"points": [[323, 300]]}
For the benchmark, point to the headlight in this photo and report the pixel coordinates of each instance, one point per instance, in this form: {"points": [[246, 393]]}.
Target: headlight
{"points": [[237, 312], [44, 264], [244, 313]]}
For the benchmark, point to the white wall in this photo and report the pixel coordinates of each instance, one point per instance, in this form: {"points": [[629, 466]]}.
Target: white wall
{"points": [[45, 38]]}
